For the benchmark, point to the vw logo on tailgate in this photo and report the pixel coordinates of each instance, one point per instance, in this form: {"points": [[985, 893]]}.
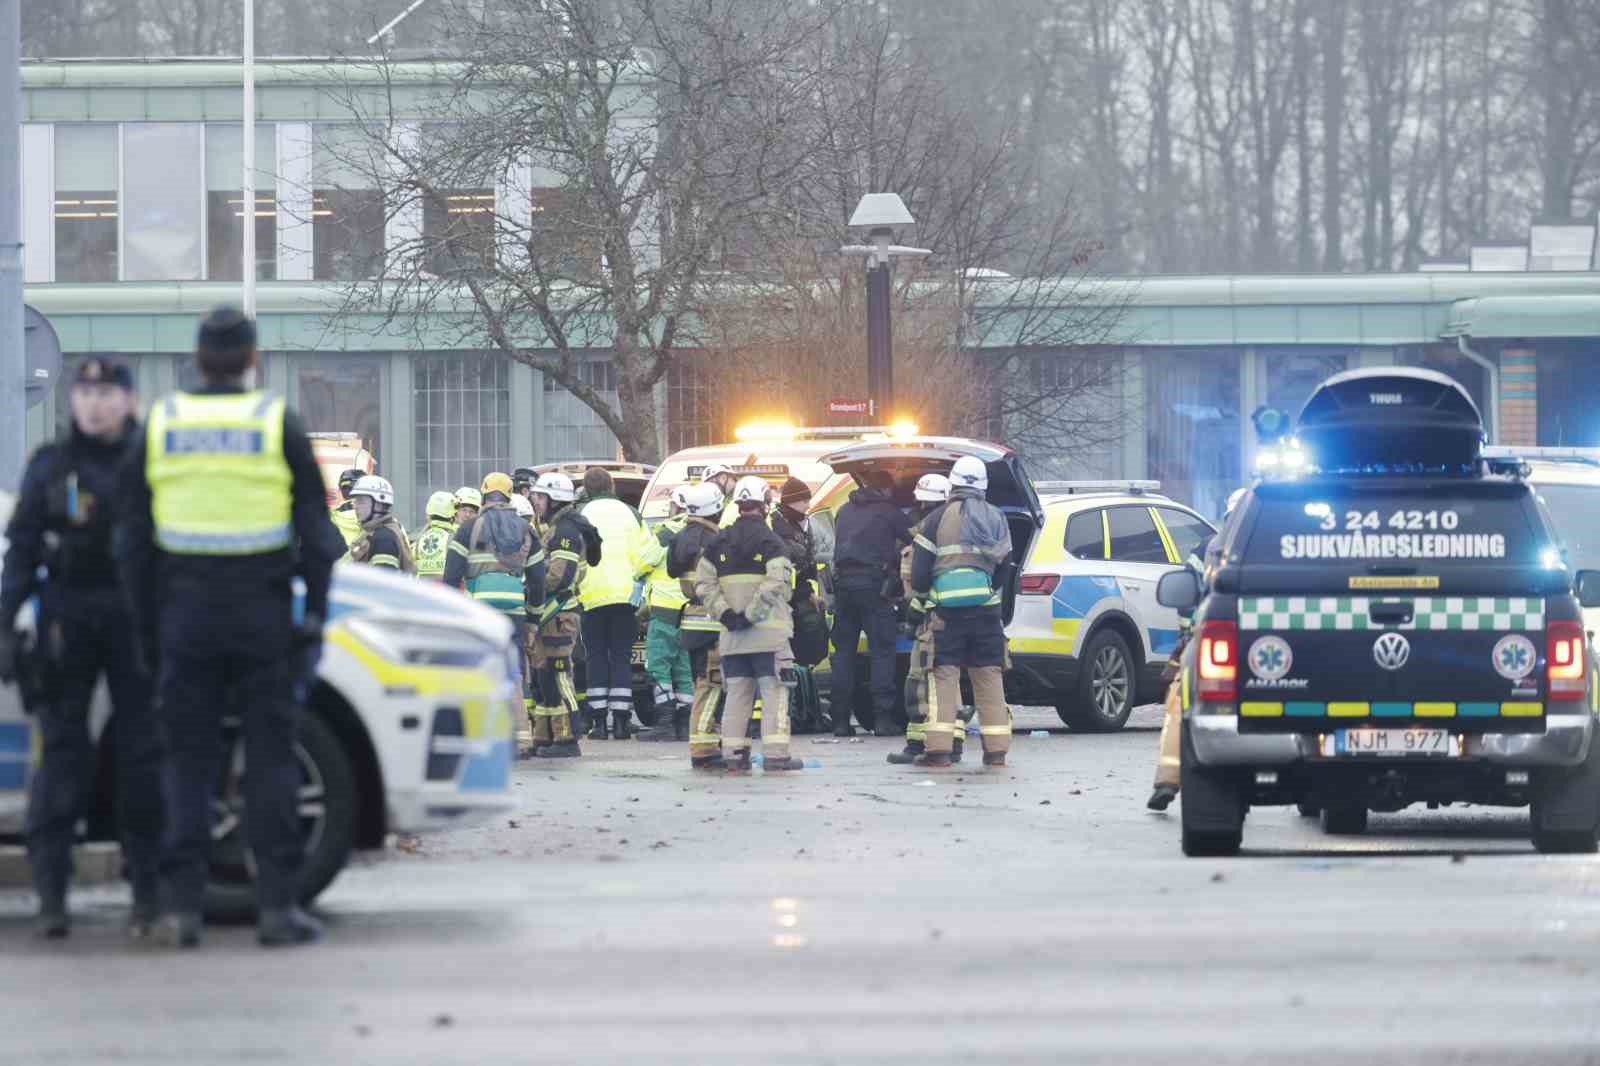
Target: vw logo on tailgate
{"points": [[1391, 651]]}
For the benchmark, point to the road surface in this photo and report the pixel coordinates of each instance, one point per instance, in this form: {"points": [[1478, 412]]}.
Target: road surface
{"points": [[862, 913]]}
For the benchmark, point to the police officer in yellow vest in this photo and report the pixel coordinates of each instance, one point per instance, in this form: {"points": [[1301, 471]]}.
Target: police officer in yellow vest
{"points": [[224, 505], [433, 541], [958, 565], [665, 659], [610, 625]]}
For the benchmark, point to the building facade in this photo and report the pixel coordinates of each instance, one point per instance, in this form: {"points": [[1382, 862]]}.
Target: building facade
{"points": [[130, 180]]}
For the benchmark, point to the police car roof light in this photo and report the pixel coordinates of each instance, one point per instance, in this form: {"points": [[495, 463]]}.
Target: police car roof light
{"points": [[1071, 488]]}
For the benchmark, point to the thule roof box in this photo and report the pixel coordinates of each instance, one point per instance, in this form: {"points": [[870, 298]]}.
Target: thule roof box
{"points": [[1391, 420]]}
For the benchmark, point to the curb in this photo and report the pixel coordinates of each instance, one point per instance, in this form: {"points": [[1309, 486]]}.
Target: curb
{"points": [[97, 864]]}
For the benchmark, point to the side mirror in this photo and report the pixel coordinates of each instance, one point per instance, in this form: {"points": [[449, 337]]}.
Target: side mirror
{"points": [[1180, 590], [1588, 585]]}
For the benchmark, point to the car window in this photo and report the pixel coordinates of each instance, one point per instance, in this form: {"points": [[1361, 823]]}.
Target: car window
{"points": [[1085, 536], [1133, 536], [1576, 510], [1188, 533]]}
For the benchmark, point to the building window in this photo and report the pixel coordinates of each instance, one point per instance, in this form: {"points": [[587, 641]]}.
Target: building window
{"points": [[1292, 374], [348, 212], [225, 202], [342, 394], [187, 377], [1192, 425], [86, 203], [462, 409], [572, 430], [561, 246], [458, 231], [691, 417], [161, 184]]}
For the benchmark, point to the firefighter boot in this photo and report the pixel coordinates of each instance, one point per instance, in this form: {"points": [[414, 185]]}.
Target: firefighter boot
{"points": [[666, 727], [781, 763], [909, 754], [739, 763], [622, 721], [955, 747]]}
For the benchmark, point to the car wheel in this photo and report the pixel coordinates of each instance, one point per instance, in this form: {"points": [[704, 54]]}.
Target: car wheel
{"points": [[1345, 819], [1211, 806], [1106, 686], [327, 820]]}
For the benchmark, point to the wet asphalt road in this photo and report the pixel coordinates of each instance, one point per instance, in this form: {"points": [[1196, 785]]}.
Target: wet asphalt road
{"points": [[861, 913]]}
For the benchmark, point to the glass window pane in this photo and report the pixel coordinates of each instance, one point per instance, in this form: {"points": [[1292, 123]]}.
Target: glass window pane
{"points": [[342, 394], [1192, 424], [1133, 536], [464, 440], [161, 184], [1085, 536], [344, 157], [86, 202], [225, 156], [1189, 534], [347, 233]]}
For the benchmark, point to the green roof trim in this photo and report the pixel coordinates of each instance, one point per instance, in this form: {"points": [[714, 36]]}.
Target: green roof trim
{"points": [[1564, 315], [1341, 310]]}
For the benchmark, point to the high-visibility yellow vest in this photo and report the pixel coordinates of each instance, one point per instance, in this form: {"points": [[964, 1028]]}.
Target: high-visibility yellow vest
{"points": [[219, 483], [430, 549], [621, 540], [345, 521], [665, 591]]}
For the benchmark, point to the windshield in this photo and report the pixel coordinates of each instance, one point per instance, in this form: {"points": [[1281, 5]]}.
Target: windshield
{"points": [[1576, 510]]}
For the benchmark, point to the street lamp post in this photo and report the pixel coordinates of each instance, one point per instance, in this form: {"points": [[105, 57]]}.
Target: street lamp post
{"points": [[879, 213]]}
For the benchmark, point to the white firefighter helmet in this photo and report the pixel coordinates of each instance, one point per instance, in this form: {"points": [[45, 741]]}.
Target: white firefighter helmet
{"points": [[704, 500], [376, 487], [680, 497], [441, 505], [750, 489], [555, 485], [969, 473], [715, 470], [932, 488], [521, 505]]}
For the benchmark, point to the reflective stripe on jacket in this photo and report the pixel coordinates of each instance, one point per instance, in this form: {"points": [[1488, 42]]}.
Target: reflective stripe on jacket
{"points": [[219, 482]]}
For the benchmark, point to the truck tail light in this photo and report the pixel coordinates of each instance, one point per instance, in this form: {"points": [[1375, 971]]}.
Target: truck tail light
{"points": [[1039, 584], [1218, 661], [1565, 660]]}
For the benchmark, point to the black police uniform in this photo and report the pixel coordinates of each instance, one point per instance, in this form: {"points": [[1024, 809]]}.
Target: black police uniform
{"points": [[62, 523], [227, 642], [869, 533]]}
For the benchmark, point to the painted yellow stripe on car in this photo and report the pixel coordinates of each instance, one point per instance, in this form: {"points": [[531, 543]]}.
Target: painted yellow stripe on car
{"points": [[1434, 710], [1105, 534], [1521, 710], [1166, 537], [1062, 640], [1348, 710], [1261, 710], [426, 680]]}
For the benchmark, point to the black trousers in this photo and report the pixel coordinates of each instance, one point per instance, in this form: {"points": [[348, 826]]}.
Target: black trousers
{"points": [[858, 605], [90, 636], [608, 636], [230, 655]]}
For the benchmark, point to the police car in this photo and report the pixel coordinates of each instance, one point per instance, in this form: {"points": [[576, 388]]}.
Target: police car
{"points": [[1088, 636], [1394, 624], [409, 729]]}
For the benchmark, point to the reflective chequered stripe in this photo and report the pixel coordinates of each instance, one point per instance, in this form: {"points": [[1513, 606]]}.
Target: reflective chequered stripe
{"points": [[1258, 613]]}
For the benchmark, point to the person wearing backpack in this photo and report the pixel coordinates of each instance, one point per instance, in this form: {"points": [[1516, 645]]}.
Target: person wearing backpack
{"points": [[959, 560]]}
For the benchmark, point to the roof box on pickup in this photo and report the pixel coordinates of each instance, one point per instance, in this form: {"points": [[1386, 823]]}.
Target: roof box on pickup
{"points": [[1390, 420]]}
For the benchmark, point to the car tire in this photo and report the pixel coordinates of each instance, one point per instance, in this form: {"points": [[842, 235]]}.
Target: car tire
{"points": [[1211, 806], [329, 811], [1344, 819], [1565, 813], [1107, 684]]}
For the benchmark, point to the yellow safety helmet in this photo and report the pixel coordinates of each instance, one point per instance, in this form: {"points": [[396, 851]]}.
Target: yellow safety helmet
{"points": [[441, 505], [467, 496], [497, 482]]}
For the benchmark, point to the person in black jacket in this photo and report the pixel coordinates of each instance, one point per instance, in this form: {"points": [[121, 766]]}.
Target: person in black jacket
{"points": [[62, 524], [869, 533], [222, 508]]}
